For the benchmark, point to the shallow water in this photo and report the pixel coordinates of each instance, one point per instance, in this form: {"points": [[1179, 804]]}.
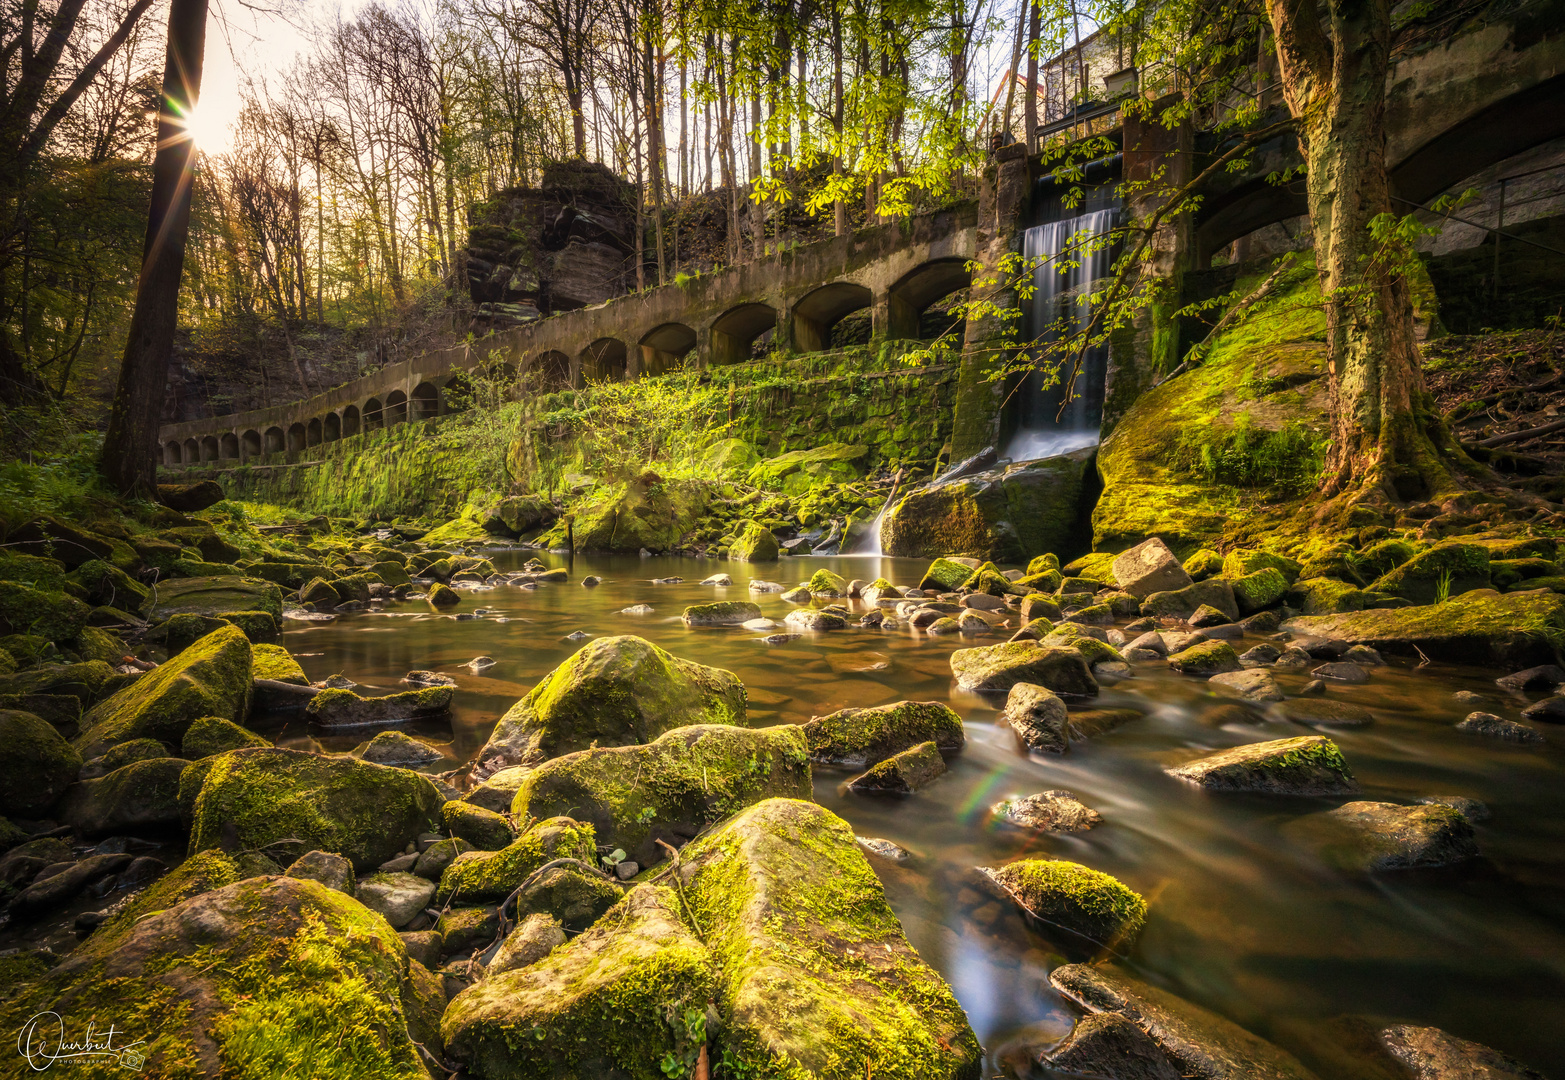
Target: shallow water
{"points": [[1244, 920]]}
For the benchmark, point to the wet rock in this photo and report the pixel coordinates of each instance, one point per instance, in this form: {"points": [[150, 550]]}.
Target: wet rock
{"points": [[1325, 712], [464, 928], [484, 829], [1263, 622], [1091, 723], [943, 625], [613, 691], [493, 875], [50, 893], [718, 579], [1364, 656], [670, 789], [1250, 685], [857, 738], [213, 735], [639, 967], [724, 613], [399, 898], [872, 620], [367, 813], [1200, 1043], [576, 895], [901, 774], [1293, 657], [1206, 615], [1065, 894], [814, 619], [1308, 765], [480, 663], [592, 581], [1206, 658], [1373, 836], [332, 871], [1479, 627], [1548, 711], [346, 709], [799, 595], [982, 602], [1542, 677], [755, 543], [1431, 1054], [1038, 717], [535, 938], [1183, 603], [396, 748], [1152, 641], [1000, 667], [779, 639], [432, 862], [809, 883], [1111, 1046], [1492, 726], [442, 596], [428, 678], [1342, 671], [1262, 655], [1048, 811], [36, 764], [758, 586], [496, 792], [1148, 568], [884, 849], [1313, 688], [136, 799], [1471, 809]]}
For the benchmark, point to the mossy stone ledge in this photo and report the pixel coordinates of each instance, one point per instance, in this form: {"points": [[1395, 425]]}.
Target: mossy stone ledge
{"points": [[1517, 629], [721, 613]]}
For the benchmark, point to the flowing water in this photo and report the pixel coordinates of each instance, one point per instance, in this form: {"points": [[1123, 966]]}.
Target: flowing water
{"points": [[1245, 920]]}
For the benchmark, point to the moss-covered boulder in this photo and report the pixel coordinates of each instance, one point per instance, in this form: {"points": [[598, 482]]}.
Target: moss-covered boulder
{"points": [[721, 613], [36, 764], [945, 575], [215, 596], [637, 985], [366, 813], [275, 663], [336, 708], [494, 875], [670, 789], [1000, 667], [857, 738], [1203, 564], [1242, 561], [1259, 590], [51, 616], [1065, 894], [319, 591], [138, 799], [210, 678], [648, 512], [249, 979], [442, 596], [1007, 514], [86, 682], [1378, 836], [1443, 571], [109, 586], [1516, 630], [902, 773], [755, 543], [92, 643], [121, 755], [574, 894], [798, 471], [1206, 658], [815, 976], [290, 575], [1326, 596], [1183, 603], [1307, 765], [484, 829], [208, 735], [614, 691]]}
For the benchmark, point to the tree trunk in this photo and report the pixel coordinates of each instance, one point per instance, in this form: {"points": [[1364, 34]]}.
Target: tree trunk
{"points": [[130, 447], [1030, 104], [1388, 443]]}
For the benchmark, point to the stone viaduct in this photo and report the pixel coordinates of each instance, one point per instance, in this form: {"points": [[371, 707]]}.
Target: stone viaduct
{"points": [[1454, 108]]}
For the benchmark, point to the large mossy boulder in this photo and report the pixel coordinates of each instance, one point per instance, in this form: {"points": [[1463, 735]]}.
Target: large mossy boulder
{"points": [[52, 616], [670, 789], [858, 738], [253, 978], [1000, 667], [366, 813], [816, 978], [616, 1001], [494, 875], [614, 691], [1516, 630], [1006, 515], [648, 512], [139, 798], [209, 678], [797, 471], [1440, 572], [755, 543], [215, 596], [518, 514], [36, 764]]}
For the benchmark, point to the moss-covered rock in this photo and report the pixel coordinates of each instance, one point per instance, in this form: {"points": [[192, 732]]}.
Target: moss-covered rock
{"points": [[902, 773], [1000, 667], [38, 571], [1377, 836], [494, 875], [798, 471], [576, 895], [441, 596], [1308, 765], [92, 643], [1077, 898], [1206, 658], [319, 591], [179, 632], [945, 575], [250, 979], [1183, 603], [51, 616], [86, 682], [1440, 572], [1007, 514], [335, 708], [208, 735], [1041, 563], [1037, 606], [1326, 596], [366, 813], [755, 543], [1204, 563], [109, 586], [1515, 630], [614, 691], [210, 678], [1045, 581], [989, 580], [670, 789], [1243, 561], [215, 596], [721, 613], [1259, 590], [121, 755], [139, 798], [815, 976], [648, 512], [277, 664], [825, 583], [290, 575], [638, 986], [484, 829], [856, 738], [36, 764]]}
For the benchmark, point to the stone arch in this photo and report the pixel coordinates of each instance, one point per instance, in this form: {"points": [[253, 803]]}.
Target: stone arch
{"points": [[424, 403], [313, 432], [921, 287], [210, 448], [396, 411], [228, 446], [554, 371], [374, 415], [457, 392], [171, 453], [276, 441], [250, 444], [350, 421], [192, 451], [736, 330], [297, 438], [604, 360], [663, 347], [331, 428], [818, 311]]}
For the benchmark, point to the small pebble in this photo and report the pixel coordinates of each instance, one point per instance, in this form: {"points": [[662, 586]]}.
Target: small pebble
{"points": [[480, 663]]}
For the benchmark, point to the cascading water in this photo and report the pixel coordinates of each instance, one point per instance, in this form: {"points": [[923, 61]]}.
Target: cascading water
{"points": [[1070, 256]]}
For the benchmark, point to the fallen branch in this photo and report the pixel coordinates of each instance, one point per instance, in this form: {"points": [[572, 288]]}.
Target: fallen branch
{"points": [[1517, 436]]}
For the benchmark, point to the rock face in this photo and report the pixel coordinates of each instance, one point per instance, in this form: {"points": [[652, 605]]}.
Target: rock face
{"points": [[855, 738], [1479, 627], [1000, 667], [36, 764], [209, 979], [209, 678], [1384, 836], [1431, 1054], [670, 789], [1148, 568], [598, 1006], [366, 813], [1201, 1043], [817, 978], [1038, 717], [1308, 765], [615, 691], [1069, 895], [1007, 514]]}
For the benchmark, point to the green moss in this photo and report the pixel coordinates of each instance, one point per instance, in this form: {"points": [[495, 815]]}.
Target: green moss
{"points": [[1320, 596], [493, 875], [215, 596], [36, 765], [484, 829], [95, 644], [1093, 651], [799, 470], [1442, 571], [1203, 564], [722, 613], [202, 872], [826, 583], [1042, 564], [441, 596], [1082, 900], [756, 543], [945, 575], [858, 737], [276, 663], [1240, 563], [210, 735], [1386, 556], [46, 575], [1259, 590], [1206, 658], [51, 616], [128, 753]]}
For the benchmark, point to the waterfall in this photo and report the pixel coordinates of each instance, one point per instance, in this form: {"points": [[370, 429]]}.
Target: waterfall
{"points": [[1063, 291]]}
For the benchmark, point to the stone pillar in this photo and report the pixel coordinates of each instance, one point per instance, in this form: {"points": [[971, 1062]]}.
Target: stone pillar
{"points": [[1002, 200], [880, 319]]}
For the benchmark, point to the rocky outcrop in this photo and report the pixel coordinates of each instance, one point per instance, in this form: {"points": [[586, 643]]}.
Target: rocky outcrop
{"points": [[1482, 626]]}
